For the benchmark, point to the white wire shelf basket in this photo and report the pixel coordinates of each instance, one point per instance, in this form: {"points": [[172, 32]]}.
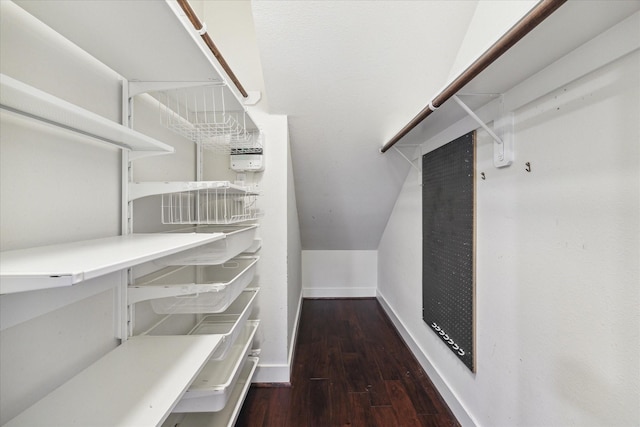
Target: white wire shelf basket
{"points": [[224, 205], [203, 115]]}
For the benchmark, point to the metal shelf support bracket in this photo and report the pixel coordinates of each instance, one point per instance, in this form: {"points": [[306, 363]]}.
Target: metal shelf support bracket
{"points": [[502, 136]]}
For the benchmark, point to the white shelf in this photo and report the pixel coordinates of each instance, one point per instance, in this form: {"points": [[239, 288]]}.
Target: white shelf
{"points": [[68, 264], [212, 389], [136, 384], [229, 415], [227, 324], [194, 288], [23, 99], [546, 45], [238, 238], [157, 31], [138, 190]]}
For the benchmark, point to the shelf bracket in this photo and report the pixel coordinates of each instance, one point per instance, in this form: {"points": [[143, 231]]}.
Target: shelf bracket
{"points": [[503, 144], [407, 159]]}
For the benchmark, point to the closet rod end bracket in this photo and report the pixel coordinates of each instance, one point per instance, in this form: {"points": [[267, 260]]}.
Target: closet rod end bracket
{"points": [[503, 149]]}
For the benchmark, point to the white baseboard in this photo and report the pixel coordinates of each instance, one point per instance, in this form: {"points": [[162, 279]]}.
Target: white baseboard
{"points": [[280, 373], [294, 335], [340, 292], [272, 374], [441, 385]]}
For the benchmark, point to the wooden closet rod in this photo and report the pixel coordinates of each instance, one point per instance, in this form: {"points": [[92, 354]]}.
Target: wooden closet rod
{"points": [[538, 14], [186, 7]]}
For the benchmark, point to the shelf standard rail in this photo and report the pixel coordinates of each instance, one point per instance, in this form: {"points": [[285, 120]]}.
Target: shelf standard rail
{"points": [[186, 7], [538, 14]]}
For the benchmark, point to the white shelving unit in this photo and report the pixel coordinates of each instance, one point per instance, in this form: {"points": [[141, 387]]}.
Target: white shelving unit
{"points": [[72, 263], [26, 100], [136, 384], [173, 50], [143, 379]]}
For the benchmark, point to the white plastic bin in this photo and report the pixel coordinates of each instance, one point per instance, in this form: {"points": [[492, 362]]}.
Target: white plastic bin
{"points": [[212, 388], [228, 416], [229, 323], [237, 239], [194, 288]]}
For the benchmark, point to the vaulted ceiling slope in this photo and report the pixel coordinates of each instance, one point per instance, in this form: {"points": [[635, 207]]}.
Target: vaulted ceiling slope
{"points": [[350, 74]]}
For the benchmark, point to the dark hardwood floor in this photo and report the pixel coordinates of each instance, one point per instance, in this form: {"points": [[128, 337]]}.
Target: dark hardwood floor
{"points": [[351, 368]]}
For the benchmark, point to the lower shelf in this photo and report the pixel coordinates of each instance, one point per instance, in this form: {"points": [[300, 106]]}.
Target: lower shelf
{"points": [[212, 388], [136, 384], [229, 415]]}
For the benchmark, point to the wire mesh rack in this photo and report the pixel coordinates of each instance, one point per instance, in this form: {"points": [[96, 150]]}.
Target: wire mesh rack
{"points": [[226, 205], [203, 114]]}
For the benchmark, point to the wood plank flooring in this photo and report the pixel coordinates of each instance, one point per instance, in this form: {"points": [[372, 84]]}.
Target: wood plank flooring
{"points": [[351, 368]]}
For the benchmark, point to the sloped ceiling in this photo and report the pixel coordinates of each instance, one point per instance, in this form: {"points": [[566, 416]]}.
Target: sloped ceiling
{"points": [[350, 74]]}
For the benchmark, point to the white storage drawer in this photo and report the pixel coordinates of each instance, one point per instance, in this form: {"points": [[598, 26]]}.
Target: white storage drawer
{"points": [[238, 238], [229, 415], [228, 324], [194, 288], [212, 388]]}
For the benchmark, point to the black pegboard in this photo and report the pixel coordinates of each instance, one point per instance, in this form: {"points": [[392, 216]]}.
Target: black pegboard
{"points": [[448, 221]]}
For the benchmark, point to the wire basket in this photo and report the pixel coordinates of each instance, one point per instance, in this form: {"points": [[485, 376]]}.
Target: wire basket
{"points": [[210, 206], [203, 115]]}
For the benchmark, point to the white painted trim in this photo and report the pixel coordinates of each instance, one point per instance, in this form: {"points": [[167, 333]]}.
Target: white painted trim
{"points": [[272, 373], [339, 292], [294, 335], [465, 419], [280, 373]]}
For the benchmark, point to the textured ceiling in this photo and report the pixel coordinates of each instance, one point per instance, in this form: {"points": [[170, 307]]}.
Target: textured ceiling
{"points": [[350, 74]]}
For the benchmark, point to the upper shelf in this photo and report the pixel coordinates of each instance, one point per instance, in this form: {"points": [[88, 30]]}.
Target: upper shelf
{"points": [[556, 37], [23, 99], [136, 384], [154, 40], [67, 264]]}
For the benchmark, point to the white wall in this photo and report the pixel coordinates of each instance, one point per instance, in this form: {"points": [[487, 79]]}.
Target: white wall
{"points": [[54, 188], [491, 19], [272, 270], [557, 321], [333, 274]]}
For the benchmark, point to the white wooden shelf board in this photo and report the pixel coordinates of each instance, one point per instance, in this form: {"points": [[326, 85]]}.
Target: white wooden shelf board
{"points": [[157, 31], [547, 43], [71, 263], [136, 384], [26, 100]]}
